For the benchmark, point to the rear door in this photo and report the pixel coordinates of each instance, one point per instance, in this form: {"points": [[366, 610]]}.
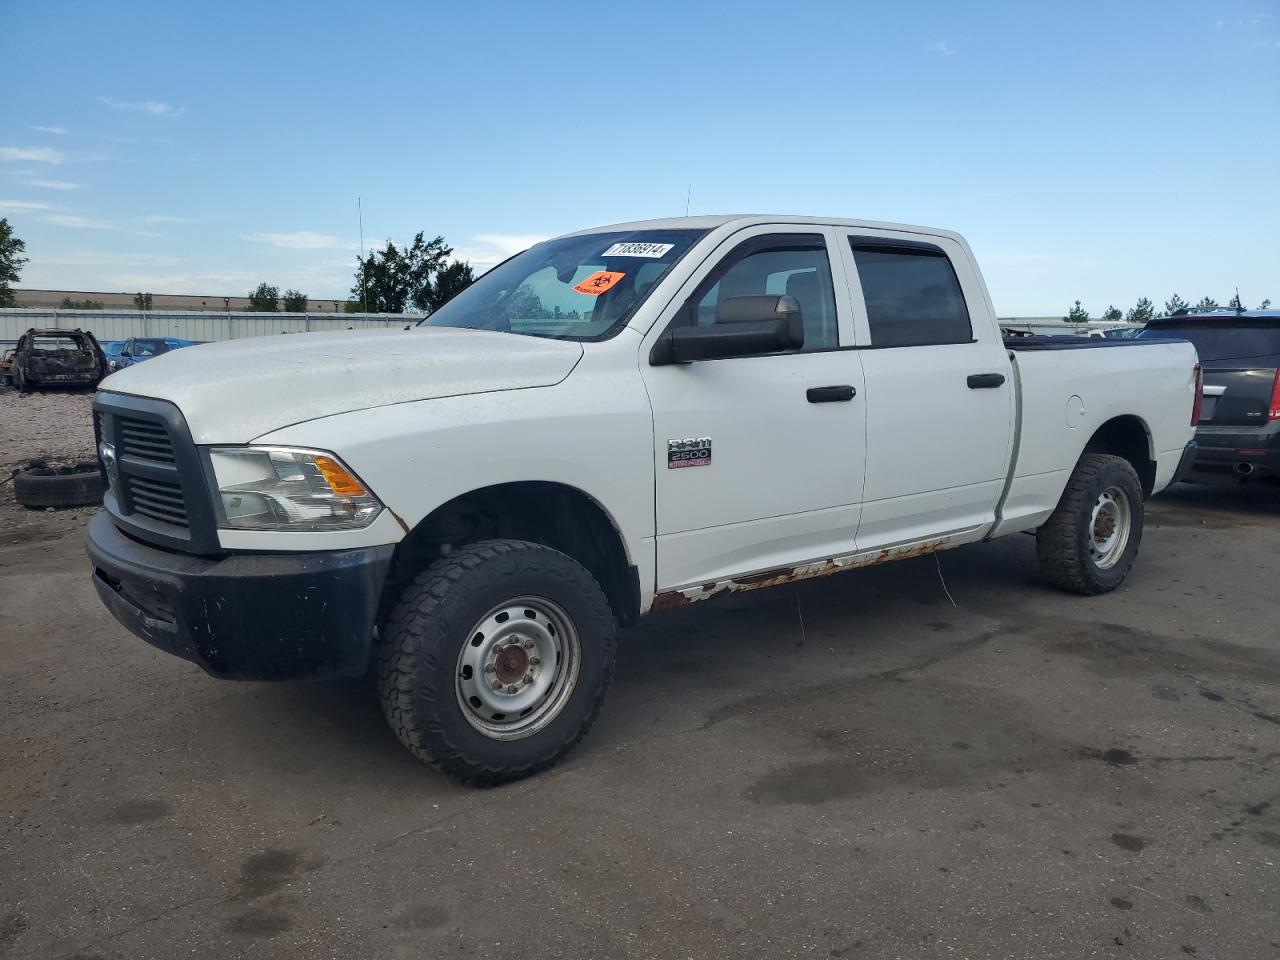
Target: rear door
{"points": [[939, 398]]}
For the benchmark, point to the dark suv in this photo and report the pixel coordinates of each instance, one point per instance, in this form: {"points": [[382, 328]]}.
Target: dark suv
{"points": [[1239, 351]]}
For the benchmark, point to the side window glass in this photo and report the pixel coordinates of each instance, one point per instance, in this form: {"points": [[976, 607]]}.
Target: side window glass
{"points": [[802, 273], [912, 295]]}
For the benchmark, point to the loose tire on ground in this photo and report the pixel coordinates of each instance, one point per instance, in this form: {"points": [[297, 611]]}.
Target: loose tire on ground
{"points": [[1091, 540], [454, 611], [40, 487]]}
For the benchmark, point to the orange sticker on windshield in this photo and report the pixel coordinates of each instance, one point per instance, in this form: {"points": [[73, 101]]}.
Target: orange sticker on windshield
{"points": [[599, 282]]}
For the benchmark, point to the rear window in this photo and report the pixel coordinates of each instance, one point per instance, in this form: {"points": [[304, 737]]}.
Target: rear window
{"points": [[55, 344], [1220, 341], [912, 295]]}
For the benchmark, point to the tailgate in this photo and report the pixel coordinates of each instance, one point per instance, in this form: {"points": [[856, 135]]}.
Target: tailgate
{"points": [[1235, 395]]}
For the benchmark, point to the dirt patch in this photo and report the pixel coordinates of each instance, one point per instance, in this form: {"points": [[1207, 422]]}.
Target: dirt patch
{"points": [[56, 426]]}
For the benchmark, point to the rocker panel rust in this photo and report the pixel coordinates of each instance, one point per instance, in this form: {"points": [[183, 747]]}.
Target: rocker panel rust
{"points": [[683, 597]]}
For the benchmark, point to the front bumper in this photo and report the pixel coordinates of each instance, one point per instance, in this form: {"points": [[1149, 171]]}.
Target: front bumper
{"points": [[279, 616]]}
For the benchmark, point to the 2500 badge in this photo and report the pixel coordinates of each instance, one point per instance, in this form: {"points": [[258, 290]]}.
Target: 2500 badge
{"points": [[689, 452]]}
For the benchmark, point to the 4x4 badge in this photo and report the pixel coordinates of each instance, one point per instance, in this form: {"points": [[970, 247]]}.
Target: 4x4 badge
{"points": [[689, 452]]}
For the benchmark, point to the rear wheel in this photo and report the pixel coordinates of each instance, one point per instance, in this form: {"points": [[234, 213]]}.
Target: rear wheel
{"points": [[1090, 542], [496, 660]]}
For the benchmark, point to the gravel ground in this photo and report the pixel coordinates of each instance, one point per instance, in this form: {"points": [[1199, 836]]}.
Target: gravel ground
{"points": [[56, 426]]}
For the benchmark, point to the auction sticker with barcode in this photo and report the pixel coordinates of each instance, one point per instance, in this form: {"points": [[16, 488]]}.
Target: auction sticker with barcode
{"points": [[654, 250]]}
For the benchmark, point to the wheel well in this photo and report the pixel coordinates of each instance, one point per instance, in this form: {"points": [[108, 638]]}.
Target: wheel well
{"points": [[1129, 438], [552, 514]]}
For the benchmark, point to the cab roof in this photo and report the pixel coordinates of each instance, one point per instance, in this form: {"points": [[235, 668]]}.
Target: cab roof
{"points": [[711, 222]]}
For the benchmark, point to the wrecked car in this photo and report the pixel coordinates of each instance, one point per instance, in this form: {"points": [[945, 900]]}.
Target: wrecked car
{"points": [[57, 358]]}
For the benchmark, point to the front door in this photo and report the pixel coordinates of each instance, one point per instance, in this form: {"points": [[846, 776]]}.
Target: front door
{"points": [[759, 459]]}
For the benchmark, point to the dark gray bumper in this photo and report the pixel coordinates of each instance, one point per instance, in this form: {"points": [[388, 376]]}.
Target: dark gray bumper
{"points": [[244, 616]]}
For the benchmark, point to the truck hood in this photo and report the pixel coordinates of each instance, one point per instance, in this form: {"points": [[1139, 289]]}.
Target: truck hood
{"points": [[236, 390]]}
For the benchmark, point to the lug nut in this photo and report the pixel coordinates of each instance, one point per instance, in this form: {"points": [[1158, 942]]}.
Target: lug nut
{"points": [[490, 668], [534, 661], [527, 643], [513, 689], [528, 678], [497, 684]]}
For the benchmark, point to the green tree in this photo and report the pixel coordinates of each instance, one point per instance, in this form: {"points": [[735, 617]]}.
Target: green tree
{"points": [[450, 281], [1174, 304], [69, 304], [1143, 311], [11, 261], [142, 301], [264, 298], [1205, 305], [295, 302], [1234, 303], [1077, 314], [1113, 314], [419, 276], [1265, 304]]}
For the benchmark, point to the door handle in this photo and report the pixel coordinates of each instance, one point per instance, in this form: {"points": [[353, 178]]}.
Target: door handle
{"points": [[840, 394], [985, 381]]}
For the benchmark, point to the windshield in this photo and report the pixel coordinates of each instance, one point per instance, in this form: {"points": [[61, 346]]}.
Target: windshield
{"points": [[149, 348], [1217, 340], [575, 288]]}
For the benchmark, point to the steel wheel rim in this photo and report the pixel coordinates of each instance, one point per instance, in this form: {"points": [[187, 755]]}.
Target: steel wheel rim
{"points": [[518, 668], [1109, 528]]}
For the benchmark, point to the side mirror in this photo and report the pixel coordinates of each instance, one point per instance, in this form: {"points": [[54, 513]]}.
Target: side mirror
{"points": [[744, 327]]}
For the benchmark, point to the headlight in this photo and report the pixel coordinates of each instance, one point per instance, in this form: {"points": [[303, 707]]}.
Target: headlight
{"points": [[285, 488]]}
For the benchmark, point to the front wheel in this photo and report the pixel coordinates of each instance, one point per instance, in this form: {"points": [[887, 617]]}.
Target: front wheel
{"points": [[496, 660], [1091, 540]]}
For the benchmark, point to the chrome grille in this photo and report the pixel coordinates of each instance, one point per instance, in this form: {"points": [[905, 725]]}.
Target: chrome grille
{"points": [[145, 440]]}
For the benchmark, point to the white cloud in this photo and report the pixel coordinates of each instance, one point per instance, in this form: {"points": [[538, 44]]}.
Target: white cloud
{"points": [[486, 250], [80, 223], [942, 47], [162, 218], [34, 154], [98, 258], [58, 131], [52, 184], [298, 240], [21, 206], [157, 108], [211, 283]]}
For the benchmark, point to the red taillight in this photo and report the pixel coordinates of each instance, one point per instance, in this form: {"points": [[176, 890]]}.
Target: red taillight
{"points": [[1274, 412], [1198, 402]]}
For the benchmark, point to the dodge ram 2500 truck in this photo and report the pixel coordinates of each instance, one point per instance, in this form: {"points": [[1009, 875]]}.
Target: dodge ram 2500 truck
{"points": [[621, 420]]}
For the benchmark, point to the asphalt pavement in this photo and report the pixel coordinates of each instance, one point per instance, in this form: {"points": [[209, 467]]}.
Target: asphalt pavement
{"points": [[851, 767]]}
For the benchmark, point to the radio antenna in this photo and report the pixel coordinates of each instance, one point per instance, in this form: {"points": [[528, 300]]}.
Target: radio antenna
{"points": [[364, 280], [688, 195]]}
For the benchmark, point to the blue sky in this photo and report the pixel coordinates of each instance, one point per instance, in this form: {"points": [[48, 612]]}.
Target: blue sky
{"points": [[1101, 151]]}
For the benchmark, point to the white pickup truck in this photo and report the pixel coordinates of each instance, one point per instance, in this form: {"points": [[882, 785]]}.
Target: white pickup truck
{"points": [[616, 421]]}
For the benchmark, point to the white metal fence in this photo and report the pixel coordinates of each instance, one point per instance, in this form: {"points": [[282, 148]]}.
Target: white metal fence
{"points": [[188, 325]]}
